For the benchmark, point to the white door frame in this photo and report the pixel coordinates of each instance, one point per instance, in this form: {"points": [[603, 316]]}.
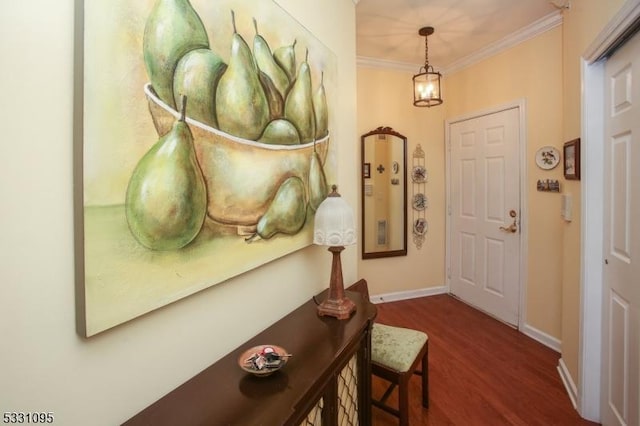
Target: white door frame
{"points": [[592, 188], [522, 155]]}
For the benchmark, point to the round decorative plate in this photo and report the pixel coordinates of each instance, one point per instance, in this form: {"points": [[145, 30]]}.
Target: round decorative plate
{"points": [[419, 174], [263, 360], [419, 202], [420, 226], [547, 157]]}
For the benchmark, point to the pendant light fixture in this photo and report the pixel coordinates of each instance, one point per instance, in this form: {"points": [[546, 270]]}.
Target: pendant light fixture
{"points": [[426, 84]]}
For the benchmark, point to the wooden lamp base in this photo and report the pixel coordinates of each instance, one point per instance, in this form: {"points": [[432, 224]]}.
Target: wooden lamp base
{"points": [[337, 304]]}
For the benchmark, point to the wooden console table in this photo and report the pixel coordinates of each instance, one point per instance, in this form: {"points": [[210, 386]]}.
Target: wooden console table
{"points": [[327, 381]]}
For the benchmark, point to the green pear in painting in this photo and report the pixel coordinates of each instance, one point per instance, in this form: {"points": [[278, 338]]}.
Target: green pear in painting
{"points": [[298, 108], [166, 197], [197, 74], [173, 28], [241, 104]]}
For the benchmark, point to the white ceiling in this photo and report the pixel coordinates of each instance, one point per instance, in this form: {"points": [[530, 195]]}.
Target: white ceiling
{"points": [[387, 30]]}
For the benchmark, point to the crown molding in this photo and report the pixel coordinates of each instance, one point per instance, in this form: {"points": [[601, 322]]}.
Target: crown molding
{"points": [[364, 61], [526, 33], [538, 27]]}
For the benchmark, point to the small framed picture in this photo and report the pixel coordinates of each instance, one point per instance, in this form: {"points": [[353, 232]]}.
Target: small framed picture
{"points": [[572, 160], [366, 170]]}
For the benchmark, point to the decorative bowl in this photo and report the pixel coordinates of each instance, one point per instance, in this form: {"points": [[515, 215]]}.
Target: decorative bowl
{"points": [[263, 360], [241, 175]]}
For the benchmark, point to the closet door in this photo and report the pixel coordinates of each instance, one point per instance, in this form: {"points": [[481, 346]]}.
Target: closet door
{"points": [[621, 296]]}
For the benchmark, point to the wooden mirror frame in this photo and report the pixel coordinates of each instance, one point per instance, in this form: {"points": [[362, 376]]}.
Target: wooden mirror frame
{"points": [[370, 167]]}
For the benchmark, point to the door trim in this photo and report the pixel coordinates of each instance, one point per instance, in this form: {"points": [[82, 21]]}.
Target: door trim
{"points": [[592, 234], [520, 104], [592, 188]]}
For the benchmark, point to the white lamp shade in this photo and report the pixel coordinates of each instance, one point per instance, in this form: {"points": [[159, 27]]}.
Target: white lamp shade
{"points": [[334, 224]]}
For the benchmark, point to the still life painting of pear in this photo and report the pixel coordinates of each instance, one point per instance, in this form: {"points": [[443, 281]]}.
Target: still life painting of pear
{"points": [[241, 143]]}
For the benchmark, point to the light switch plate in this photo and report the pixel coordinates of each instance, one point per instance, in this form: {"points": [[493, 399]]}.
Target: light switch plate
{"points": [[567, 207]]}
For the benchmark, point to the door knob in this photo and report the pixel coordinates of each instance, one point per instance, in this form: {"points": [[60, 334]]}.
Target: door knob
{"points": [[513, 228]]}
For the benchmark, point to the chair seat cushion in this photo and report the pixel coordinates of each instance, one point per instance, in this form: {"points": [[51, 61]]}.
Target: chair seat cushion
{"points": [[396, 347]]}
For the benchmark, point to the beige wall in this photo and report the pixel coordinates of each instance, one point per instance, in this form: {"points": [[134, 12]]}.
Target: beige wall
{"points": [[582, 23], [531, 71], [385, 99], [104, 380]]}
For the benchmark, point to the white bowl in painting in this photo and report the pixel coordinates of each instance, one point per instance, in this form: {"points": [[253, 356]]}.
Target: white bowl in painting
{"points": [[242, 176]]}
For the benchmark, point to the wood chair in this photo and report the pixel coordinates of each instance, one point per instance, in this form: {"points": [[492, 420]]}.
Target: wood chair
{"points": [[395, 355]]}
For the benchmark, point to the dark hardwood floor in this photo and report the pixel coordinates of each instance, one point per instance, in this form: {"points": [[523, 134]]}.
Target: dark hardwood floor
{"points": [[481, 371]]}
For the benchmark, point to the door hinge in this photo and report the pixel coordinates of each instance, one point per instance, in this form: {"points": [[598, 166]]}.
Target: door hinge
{"points": [[449, 210]]}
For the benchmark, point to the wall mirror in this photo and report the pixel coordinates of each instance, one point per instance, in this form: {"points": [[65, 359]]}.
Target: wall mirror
{"points": [[384, 193]]}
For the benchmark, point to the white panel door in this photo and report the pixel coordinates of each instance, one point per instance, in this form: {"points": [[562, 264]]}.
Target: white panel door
{"points": [[484, 212], [621, 296]]}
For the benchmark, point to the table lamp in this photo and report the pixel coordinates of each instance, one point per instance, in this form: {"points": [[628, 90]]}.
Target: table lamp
{"points": [[334, 227]]}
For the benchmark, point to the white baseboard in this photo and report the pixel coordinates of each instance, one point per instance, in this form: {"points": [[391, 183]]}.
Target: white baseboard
{"points": [[569, 384], [409, 294], [542, 337]]}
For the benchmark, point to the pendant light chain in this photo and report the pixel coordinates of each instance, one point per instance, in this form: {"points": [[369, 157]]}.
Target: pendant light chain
{"points": [[426, 53]]}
